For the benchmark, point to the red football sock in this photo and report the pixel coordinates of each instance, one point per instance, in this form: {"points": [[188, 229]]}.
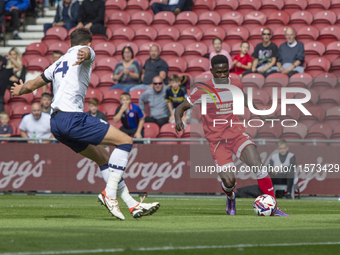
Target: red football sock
{"points": [[229, 191], [266, 186]]}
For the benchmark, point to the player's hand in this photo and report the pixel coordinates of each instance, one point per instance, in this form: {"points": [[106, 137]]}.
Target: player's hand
{"points": [[179, 126], [16, 88], [83, 54]]}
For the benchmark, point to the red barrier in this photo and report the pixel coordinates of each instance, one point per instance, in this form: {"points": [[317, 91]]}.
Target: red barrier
{"points": [[152, 168]]}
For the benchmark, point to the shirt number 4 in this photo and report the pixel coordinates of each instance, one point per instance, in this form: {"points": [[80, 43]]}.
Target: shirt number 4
{"points": [[62, 69]]}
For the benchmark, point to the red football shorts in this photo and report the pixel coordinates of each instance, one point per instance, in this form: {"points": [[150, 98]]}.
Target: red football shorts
{"points": [[222, 151]]}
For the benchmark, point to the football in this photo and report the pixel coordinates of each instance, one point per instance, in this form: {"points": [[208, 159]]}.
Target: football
{"points": [[265, 205]]}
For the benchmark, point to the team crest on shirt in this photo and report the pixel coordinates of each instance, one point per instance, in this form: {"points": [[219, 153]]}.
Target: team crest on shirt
{"points": [[131, 114]]}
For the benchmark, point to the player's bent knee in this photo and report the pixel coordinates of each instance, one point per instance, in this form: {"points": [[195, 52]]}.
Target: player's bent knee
{"points": [[227, 179]]}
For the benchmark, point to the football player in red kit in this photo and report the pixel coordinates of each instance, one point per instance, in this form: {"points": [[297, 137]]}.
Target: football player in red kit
{"points": [[226, 139]]}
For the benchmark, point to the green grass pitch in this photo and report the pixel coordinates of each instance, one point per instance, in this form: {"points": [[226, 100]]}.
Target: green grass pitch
{"points": [[186, 225]]}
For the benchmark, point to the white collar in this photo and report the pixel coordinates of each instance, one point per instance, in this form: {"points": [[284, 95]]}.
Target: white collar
{"points": [[292, 45]]}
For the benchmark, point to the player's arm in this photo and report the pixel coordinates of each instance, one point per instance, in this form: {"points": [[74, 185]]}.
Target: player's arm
{"points": [[179, 112], [28, 87]]}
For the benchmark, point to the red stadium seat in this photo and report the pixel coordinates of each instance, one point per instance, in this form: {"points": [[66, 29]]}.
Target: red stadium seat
{"points": [[56, 33], [201, 6], [144, 49], [302, 80], [115, 4], [197, 48], [237, 35], [140, 19], [7, 96], [318, 65], [91, 92], [122, 34], [194, 130], [315, 6], [185, 19], [151, 130], [325, 79], [104, 65], [36, 48], [112, 111], [259, 96], [314, 97], [269, 6], [173, 48], [207, 19], [168, 130], [118, 19], [163, 18], [105, 48], [292, 112], [318, 114], [197, 65], [8, 110], [329, 98], [276, 19], [62, 46], [136, 5], [246, 6], [292, 6], [307, 34], [332, 51], [300, 18], [279, 35], [37, 64], [191, 34], [177, 64], [333, 117], [335, 6], [20, 111], [255, 35], [112, 96], [106, 80], [211, 33], [145, 34], [230, 19], [203, 77], [324, 18], [135, 94], [269, 131], [320, 131], [336, 133], [298, 132], [329, 34], [253, 80], [224, 6], [121, 46], [313, 49], [167, 34], [335, 69], [94, 81], [253, 19]]}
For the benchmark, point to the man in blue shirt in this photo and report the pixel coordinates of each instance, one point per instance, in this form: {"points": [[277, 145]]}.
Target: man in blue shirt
{"points": [[14, 8], [131, 116], [66, 15]]}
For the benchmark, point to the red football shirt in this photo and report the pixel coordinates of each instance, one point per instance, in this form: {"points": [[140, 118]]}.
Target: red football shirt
{"points": [[244, 61], [218, 111]]}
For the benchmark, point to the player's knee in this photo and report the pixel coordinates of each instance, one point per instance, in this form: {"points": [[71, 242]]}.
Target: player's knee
{"points": [[228, 181]]}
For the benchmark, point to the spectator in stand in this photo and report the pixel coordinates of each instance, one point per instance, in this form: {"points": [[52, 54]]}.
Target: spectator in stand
{"points": [[14, 60], [36, 124], [217, 43], [265, 56], [175, 94], [242, 61], [155, 98], [127, 72], [55, 56], [5, 129], [291, 55], [45, 101], [91, 16], [14, 8], [66, 15], [175, 6], [93, 105], [283, 163], [5, 75], [154, 66], [2, 16], [131, 116]]}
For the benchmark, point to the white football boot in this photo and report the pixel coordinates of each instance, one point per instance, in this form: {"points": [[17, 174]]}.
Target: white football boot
{"points": [[111, 205], [144, 209]]}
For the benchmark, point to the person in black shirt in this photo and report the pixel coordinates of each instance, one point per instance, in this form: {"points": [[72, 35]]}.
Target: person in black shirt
{"points": [[265, 56], [91, 16]]}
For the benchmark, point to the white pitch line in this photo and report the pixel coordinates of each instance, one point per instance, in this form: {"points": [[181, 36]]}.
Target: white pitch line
{"points": [[167, 248]]}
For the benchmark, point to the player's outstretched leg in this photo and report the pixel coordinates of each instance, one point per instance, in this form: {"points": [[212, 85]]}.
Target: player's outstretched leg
{"points": [[251, 157], [228, 184]]}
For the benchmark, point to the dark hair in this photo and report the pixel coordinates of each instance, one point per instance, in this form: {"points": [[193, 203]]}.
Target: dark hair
{"points": [[81, 36], [94, 100], [244, 42], [266, 28], [46, 94], [125, 94], [219, 59], [217, 38], [58, 52], [174, 77], [129, 48]]}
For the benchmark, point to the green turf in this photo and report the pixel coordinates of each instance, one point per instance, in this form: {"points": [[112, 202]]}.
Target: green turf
{"points": [[64, 223]]}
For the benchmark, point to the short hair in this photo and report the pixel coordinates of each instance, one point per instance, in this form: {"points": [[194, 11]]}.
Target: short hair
{"points": [[174, 77], [217, 38], [81, 36], [282, 142], [4, 114], [244, 42], [219, 59], [125, 94], [58, 52], [46, 94], [94, 101], [267, 28], [129, 48], [154, 45]]}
